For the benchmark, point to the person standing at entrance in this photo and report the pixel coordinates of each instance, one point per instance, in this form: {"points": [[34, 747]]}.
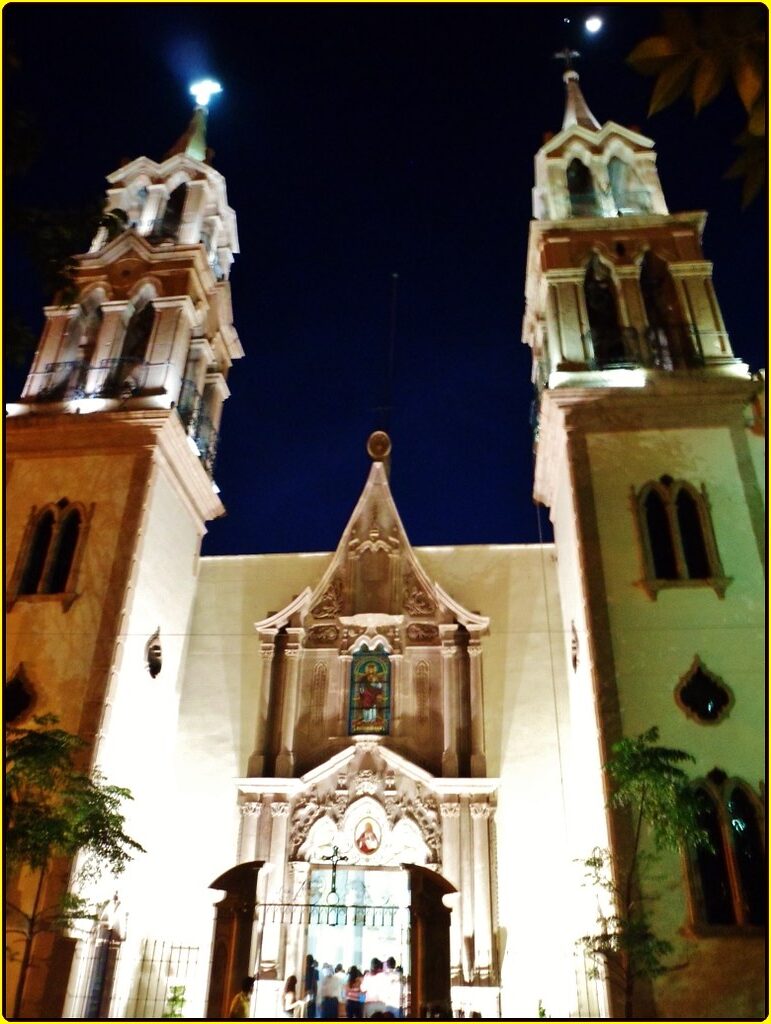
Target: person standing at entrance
{"points": [[392, 987], [310, 984], [239, 1007], [372, 987], [329, 993], [354, 1006]]}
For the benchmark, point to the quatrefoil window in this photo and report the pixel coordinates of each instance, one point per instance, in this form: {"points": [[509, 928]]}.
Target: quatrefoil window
{"points": [[702, 695]]}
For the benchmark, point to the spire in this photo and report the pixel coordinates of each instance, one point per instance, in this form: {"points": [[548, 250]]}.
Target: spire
{"points": [[193, 140], [576, 108]]}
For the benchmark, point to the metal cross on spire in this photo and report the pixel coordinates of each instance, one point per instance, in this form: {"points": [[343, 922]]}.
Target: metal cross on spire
{"points": [[567, 55]]}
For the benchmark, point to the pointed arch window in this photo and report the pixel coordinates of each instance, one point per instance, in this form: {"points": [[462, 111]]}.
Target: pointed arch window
{"points": [[172, 215], [369, 708], [727, 880], [584, 201], [50, 553], [629, 196], [606, 335], [671, 342], [676, 537]]}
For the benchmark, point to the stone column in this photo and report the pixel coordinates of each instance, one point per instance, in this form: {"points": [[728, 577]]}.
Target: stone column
{"points": [[449, 702], [345, 685], [450, 812], [478, 756], [294, 959], [156, 200], [272, 932], [483, 948], [247, 836], [292, 654], [192, 214], [397, 697], [256, 764]]}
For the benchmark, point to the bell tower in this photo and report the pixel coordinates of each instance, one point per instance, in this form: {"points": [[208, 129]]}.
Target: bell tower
{"points": [[648, 456], [110, 459]]}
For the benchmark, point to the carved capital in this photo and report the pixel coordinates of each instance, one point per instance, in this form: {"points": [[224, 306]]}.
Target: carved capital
{"points": [[267, 650], [251, 809], [450, 810], [474, 650], [449, 650], [293, 652], [480, 810], [279, 809]]}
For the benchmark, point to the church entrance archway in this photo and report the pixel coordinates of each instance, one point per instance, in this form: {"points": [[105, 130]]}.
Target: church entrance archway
{"points": [[350, 915]]}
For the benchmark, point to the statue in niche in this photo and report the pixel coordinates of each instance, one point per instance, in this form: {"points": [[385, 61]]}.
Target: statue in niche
{"points": [[370, 695]]}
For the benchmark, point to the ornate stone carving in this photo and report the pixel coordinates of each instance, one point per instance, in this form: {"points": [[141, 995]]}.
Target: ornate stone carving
{"points": [[422, 633], [305, 814], [450, 810], [330, 603], [424, 808], [251, 809], [390, 781], [279, 809], [475, 650], [366, 782], [323, 634], [416, 600], [480, 810]]}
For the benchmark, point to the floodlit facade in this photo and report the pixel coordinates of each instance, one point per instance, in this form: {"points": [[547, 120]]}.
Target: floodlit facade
{"points": [[386, 751]]}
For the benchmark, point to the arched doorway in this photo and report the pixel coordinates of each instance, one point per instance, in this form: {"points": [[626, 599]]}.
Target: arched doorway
{"points": [[342, 916]]}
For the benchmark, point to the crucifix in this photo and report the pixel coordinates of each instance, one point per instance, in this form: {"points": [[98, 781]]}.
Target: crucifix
{"points": [[335, 858], [567, 55]]}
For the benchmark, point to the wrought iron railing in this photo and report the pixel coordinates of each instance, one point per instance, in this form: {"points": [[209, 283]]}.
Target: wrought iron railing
{"points": [[121, 377], [198, 424], [672, 347]]}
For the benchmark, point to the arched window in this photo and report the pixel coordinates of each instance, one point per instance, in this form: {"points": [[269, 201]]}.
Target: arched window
{"points": [[172, 215], [138, 332], [47, 560], [671, 342], [606, 335], [729, 878], [37, 554], [627, 190], [583, 198], [748, 854], [660, 537], [712, 865], [63, 554], [677, 541]]}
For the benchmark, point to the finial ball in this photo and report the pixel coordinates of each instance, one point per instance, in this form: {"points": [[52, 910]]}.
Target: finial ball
{"points": [[379, 446]]}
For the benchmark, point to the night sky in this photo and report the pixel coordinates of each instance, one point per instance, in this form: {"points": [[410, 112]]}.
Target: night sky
{"points": [[359, 141]]}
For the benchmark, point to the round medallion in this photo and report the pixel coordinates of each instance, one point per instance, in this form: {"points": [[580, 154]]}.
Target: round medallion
{"points": [[379, 446]]}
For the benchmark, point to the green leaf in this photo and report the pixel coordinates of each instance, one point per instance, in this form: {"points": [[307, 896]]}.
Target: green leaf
{"points": [[672, 82]]}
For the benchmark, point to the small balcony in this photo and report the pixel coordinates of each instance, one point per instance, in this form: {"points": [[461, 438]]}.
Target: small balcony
{"points": [[674, 347], [123, 377], [199, 426]]}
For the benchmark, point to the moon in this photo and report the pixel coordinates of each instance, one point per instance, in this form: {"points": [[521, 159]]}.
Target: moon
{"points": [[593, 24]]}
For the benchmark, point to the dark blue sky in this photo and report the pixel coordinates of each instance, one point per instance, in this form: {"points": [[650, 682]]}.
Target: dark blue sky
{"points": [[359, 140]]}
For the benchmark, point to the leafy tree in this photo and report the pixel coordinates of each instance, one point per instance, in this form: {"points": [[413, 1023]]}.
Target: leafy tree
{"points": [[55, 809], [700, 55], [648, 782]]}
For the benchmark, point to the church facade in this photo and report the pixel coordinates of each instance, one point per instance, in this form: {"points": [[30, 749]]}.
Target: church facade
{"points": [[386, 751]]}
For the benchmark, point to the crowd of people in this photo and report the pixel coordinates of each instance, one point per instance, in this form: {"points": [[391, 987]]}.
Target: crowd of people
{"points": [[332, 993]]}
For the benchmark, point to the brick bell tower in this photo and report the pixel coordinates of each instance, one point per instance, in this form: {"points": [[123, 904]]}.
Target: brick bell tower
{"points": [[110, 458], [649, 458]]}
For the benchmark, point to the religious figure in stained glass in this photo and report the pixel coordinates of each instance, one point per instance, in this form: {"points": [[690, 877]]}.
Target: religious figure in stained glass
{"points": [[370, 699]]}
